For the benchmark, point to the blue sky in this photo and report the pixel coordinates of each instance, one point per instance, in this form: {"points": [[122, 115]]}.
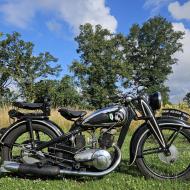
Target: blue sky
{"points": [[52, 25]]}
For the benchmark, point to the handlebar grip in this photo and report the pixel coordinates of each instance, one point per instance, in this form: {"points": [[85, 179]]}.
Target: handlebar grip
{"points": [[116, 96]]}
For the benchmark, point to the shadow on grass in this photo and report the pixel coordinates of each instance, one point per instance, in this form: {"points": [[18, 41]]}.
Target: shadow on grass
{"points": [[52, 178], [123, 168]]}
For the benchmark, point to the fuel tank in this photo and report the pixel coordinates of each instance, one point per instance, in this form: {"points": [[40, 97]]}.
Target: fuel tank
{"points": [[108, 116]]}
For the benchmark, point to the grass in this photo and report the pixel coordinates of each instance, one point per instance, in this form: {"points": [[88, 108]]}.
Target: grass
{"points": [[124, 177]]}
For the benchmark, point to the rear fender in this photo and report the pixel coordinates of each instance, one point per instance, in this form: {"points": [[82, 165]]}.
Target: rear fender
{"points": [[46, 123], [144, 129]]}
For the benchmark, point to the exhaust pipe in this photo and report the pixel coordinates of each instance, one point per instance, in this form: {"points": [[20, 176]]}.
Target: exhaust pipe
{"points": [[31, 169], [55, 170]]}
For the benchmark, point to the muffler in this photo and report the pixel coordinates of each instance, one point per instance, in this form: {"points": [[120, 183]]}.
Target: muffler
{"points": [[55, 170], [31, 169]]}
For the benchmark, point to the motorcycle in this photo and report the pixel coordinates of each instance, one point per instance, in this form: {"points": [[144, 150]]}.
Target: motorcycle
{"points": [[35, 145]]}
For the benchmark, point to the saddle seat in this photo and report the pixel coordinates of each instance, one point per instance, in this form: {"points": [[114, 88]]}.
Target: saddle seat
{"points": [[70, 114]]}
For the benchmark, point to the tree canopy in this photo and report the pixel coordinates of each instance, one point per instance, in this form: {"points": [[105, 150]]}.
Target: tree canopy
{"points": [[149, 50], [187, 98], [61, 92], [143, 57], [108, 63], [101, 64], [18, 63]]}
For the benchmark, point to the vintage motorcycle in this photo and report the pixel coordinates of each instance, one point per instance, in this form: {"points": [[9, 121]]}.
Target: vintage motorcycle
{"points": [[34, 145]]}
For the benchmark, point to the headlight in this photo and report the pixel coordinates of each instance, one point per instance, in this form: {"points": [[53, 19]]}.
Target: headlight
{"points": [[155, 101]]}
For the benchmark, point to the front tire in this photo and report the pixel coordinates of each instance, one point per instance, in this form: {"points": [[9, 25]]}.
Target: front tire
{"points": [[151, 160]]}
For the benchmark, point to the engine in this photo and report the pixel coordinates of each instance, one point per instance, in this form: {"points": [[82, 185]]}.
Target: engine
{"points": [[106, 138], [99, 158], [87, 151]]}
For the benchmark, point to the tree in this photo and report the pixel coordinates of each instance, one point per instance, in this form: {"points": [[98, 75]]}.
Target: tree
{"points": [[20, 64], [4, 76], [149, 49], [3, 83], [62, 92], [187, 98], [7, 97], [45, 88], [101, 64], [68, 94]]}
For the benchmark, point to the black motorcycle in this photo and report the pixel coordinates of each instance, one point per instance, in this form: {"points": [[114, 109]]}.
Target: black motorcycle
{"points": [[35, 145]]}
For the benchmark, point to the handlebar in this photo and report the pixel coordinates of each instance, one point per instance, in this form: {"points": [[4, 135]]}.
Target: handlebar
{"points": [[127, 97]]}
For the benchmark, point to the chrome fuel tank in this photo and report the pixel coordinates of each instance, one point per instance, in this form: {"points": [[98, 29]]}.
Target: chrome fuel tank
{"points": [[108, 116]]}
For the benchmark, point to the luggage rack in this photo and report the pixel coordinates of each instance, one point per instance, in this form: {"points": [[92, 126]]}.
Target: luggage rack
{"points": [[39, 110], [176, 113], [15, 114]]}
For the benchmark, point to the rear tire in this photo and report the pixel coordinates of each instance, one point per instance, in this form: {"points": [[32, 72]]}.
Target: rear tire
{"points": [[157, 165], [19, 135]]}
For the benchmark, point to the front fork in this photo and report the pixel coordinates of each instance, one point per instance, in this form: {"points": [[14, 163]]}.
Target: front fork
{"points": [[161, 139], [153, 124], [155, 129]]}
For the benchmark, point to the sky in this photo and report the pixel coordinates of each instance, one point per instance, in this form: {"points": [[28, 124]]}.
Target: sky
{"points": [[52, 25]]}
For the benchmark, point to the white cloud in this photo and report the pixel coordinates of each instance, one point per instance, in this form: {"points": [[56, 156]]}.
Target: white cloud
{"points": [[179, 81], [75, 12], [155, 5], [53, 26], [18, 14], [179, 11]]}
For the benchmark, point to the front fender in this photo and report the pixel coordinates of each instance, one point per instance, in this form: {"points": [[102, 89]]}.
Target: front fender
{"points": [[172, 121], [47, 123], [143, 129]]}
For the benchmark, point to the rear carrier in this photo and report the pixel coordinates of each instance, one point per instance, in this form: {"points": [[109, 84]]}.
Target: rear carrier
{"points": [[176, 114]]}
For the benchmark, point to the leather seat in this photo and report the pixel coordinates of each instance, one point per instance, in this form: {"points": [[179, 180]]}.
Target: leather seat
{"points": [[70, 114], [30, 106]]}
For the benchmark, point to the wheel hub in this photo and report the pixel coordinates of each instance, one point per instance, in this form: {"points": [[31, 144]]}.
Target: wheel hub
{"points": [[170, 158]]}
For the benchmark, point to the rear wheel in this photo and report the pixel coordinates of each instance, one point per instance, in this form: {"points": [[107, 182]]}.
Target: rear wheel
{"points": [[18, 140], [153, 162]]}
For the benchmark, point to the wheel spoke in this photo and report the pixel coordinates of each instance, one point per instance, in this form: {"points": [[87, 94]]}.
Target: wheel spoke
{"points": [[18, 145], [37, 135], [152, 151], [173, 137]]}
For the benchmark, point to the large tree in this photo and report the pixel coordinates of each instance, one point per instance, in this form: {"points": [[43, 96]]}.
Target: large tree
{"points": [[19, 63], [150, 50], [101, 64]]}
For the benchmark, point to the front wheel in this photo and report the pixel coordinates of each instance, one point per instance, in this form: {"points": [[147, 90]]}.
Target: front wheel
{"points": [[155, 163]]}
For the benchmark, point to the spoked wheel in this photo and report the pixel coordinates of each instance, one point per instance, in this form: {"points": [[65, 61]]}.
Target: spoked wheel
{"points": [[153, 162], [18, 142]]}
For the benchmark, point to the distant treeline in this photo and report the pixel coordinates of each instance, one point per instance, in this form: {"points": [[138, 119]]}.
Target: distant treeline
{"points": [[108, 62]]}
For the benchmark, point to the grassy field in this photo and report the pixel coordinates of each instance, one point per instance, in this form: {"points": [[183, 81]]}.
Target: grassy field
{"points": [[124, 177]]}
